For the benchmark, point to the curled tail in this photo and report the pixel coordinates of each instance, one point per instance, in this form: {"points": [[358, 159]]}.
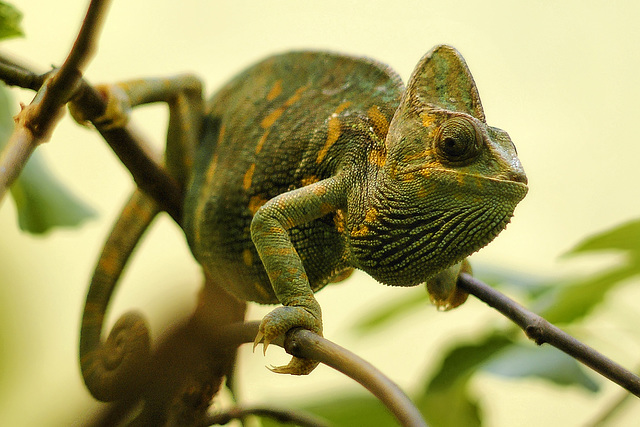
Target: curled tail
{"points": [[114, 367]]}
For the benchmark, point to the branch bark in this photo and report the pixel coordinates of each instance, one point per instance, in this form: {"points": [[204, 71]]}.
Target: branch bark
{"points": [[147, 171], [541, 331], [35, 123]]}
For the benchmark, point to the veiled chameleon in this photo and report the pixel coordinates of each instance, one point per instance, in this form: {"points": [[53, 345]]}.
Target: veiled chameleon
{"points": [[311, 164]]}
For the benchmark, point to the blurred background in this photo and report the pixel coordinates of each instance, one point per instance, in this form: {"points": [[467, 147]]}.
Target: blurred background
{"points": [[560, 77]]}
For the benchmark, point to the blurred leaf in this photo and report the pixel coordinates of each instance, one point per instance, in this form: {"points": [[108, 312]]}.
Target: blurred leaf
{"points": [[518, 361], [462, 361], [446, 400], [349, 410], [41, 200], [451, 407], [499, 277], [625, 237], [392, 311], [10, 18], [566, 303]]}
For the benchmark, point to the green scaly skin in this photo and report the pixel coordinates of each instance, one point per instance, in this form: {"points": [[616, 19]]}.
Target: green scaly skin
{"points": [[311, 164]]}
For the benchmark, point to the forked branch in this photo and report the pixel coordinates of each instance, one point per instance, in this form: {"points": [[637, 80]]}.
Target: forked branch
{"points": [[147, 172], [35, 123]]}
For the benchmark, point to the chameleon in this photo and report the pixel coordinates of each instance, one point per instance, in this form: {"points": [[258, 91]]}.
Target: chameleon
{"points": [[310, 164]]}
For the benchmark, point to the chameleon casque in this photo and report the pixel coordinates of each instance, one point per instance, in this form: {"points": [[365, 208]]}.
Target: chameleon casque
{"points": [[310, 164]]}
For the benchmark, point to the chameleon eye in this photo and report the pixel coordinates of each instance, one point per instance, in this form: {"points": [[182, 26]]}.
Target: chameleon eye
{"points": [[458, 140]]}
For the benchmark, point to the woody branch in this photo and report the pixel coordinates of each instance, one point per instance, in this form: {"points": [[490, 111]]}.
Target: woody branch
{"points": [[35, 123]]}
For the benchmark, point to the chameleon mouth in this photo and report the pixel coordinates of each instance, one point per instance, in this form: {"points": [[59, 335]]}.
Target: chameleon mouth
{"points": [[515, 178]]}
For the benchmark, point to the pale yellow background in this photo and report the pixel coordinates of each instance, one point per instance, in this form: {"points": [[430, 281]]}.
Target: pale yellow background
{"points": [[561, 77]]}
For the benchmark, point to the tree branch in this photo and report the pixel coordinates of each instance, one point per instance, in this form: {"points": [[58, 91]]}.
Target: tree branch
{"points": [[285, 416], [541, 331], [304, 343], [131, 149], [35, 123]]}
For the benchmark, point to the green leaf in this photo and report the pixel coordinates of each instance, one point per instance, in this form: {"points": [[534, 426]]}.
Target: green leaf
{"points": [[625, 237], [498, 277], [10, 18], [549, 363], [566, 303], [41, 200], [462, 361], [451, 407], [349, 410], [446, 400]]}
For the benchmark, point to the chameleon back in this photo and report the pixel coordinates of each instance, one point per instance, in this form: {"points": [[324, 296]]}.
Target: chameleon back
{"points": [[271, 129]]}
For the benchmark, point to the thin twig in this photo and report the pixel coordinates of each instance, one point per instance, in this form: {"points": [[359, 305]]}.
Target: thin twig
{"points": [[541, 331], [35, 122], [286, 416], [147, 172]]}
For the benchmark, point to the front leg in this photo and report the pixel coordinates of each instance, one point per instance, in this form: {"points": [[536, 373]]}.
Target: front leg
{"points": [[443, 289], [284, 266]]}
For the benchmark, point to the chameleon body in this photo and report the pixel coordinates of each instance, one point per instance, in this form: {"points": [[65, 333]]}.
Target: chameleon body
{"points": [[311, 164]]}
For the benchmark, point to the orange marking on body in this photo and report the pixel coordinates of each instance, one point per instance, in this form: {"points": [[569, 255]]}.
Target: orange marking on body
{"points": [[427, 119], [285, 251], [261, 141], [248, 176], [223, 129], [371, 215], [333, 132], [342, 107], [271, 118], [319, 190], [247, 257], [308, 180], [380, 122], [293, 270], [296, 96], [213, 165], [377, 157], [268, 121], [360, 230], [339, 221], [275, 91], [256, 203], [332, 136]]}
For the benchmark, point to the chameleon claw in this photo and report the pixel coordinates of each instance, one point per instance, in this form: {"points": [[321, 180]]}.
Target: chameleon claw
{"points": [[257, 340], [265, 344]]}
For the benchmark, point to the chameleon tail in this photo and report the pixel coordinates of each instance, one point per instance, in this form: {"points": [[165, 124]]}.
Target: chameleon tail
{"points": [[113, 368]]}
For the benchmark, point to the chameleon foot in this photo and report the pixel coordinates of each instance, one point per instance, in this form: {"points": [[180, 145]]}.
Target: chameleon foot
{"points": [[116, 114], [297, 366], [276, 324], [442, 287]]}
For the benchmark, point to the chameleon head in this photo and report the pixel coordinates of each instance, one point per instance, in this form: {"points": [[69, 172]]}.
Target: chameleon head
{"points": [[450, 182]]}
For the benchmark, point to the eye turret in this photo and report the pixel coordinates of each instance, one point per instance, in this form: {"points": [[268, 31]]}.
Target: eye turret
{"points": [[458, 140]]}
